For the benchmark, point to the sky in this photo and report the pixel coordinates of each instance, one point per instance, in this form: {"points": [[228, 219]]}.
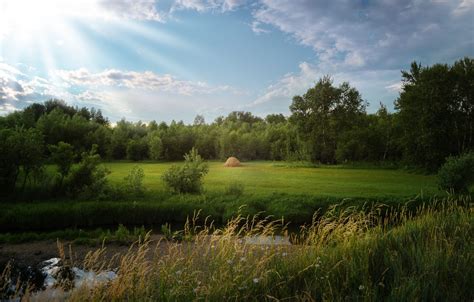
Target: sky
{"points": [[173, 59]]}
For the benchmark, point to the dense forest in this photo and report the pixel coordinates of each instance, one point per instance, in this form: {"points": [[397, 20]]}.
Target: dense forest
{"points": [[329, 124]]}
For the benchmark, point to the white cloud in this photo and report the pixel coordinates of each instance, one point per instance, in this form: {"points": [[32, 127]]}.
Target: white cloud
{"points": [[136, 95], [133, 9], [208, 5], [382, 33], [374, 85], [58, 9], [6, 108], [257, 28], [464, 7], [364, 43], [397, 87], [146, 80]]}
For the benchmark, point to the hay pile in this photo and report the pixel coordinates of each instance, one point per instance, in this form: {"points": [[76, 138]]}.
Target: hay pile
{"points": [[232, 162]]}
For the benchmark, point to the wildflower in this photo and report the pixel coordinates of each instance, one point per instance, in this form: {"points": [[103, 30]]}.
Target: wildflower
{"points": [[178, 273], [255, 280], [242, 259], [317, 265], [284, 254], [361, 287], [195, 290], [229, 261]]}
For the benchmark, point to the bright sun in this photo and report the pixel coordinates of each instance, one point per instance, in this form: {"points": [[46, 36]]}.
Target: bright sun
{"points": [[35, 29], [24, 18]]}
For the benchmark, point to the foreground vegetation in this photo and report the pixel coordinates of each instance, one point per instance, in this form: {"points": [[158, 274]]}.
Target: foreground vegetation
{"points": [[344, 254]]}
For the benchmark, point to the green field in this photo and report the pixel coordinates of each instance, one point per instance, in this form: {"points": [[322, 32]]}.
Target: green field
{"points": [[264, 178], [270, 188]]}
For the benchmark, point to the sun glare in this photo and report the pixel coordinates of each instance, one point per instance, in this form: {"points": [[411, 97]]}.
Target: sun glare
{"points": [[48, 32]]}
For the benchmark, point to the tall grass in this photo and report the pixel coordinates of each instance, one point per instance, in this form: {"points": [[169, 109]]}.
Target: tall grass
{"points": [[345, 254]]}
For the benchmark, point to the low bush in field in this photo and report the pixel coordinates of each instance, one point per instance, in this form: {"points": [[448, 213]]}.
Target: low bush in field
{"points": [[187, 178], [134, 181], [343, 255], [457, 174], [88, 178]]}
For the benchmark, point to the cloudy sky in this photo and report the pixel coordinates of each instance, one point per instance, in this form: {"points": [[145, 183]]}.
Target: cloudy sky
{"points": [[164, 59]]}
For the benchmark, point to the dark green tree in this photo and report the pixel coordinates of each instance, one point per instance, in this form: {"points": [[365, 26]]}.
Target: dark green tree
{"points": [[62, 155], [436, 112]]}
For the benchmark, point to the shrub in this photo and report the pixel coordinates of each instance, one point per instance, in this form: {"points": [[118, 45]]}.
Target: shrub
{"points": [[187, 178], [235, 189], [457, 174], [134, 181], [87, 178]]}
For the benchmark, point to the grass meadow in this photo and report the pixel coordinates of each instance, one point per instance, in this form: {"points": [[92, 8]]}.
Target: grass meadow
{"points": [[263, 178], [290, 191]]}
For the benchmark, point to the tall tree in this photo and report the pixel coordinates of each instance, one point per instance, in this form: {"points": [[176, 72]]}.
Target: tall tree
{"points": [[323, 113], [436, 112]]}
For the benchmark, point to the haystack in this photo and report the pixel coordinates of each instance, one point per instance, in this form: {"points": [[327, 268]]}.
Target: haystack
{"points": [[232, 162]]}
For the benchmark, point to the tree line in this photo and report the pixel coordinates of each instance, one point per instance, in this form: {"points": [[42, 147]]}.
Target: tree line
{"points": [[329, 124]]}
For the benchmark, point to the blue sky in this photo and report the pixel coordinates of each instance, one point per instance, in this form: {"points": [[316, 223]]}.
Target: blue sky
{"points": [[165, 60]]}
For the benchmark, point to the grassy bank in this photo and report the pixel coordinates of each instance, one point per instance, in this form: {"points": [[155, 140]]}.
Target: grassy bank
{"points": [[121, 234], [174, 209], [346, 255]]}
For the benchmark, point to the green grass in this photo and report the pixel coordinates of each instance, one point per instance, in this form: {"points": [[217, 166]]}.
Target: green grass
{"points": [[270, 188], [263, 178]]}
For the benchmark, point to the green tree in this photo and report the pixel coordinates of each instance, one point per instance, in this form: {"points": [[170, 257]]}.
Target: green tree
{"points": [[62, 155], [21, 151], [436, 112], [137, 149], [323, 113], [155, 146]]}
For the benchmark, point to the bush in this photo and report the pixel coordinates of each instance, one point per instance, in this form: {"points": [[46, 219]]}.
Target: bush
{"points": [[235, 189], [187, 178], [134, 181], [457, 174], [87, 178]]}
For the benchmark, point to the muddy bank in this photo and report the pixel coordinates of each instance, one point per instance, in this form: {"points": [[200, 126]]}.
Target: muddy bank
{"points": [[32, 253]]}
